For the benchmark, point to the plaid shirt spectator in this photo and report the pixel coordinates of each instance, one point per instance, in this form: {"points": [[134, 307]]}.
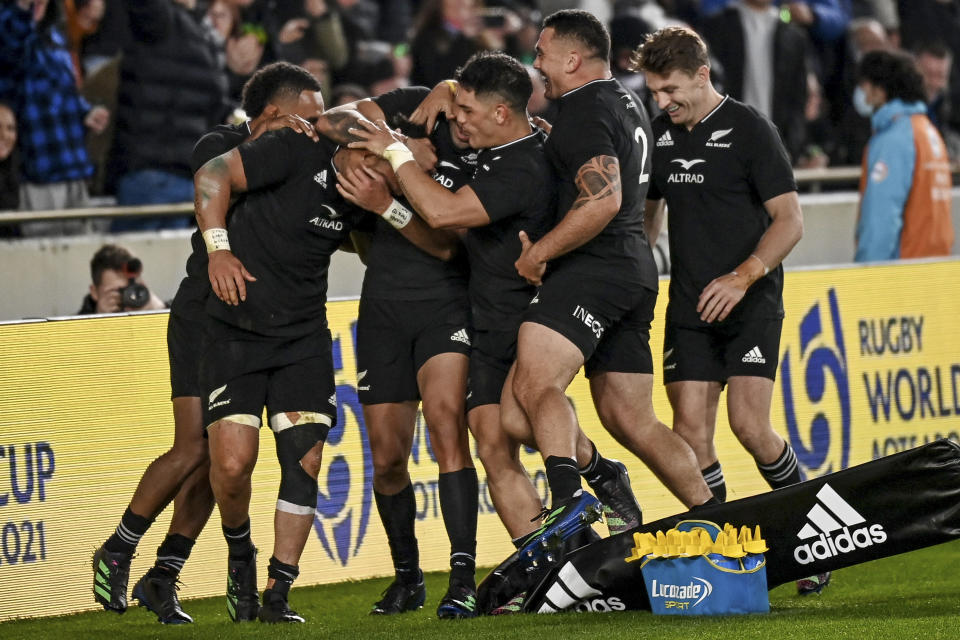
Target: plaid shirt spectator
{"points": [[38, 80]]}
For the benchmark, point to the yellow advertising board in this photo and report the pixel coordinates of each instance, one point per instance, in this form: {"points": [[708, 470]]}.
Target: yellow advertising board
{"points": [[869, 365]]}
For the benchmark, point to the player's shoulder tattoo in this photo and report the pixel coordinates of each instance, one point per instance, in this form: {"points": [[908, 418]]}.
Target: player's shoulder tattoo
{"points": [[597, 179]]}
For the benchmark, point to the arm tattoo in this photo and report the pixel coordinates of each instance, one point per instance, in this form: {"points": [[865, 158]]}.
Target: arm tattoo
{"points": [[597, 179], [212, 181], [339, 123], [209, 180]]}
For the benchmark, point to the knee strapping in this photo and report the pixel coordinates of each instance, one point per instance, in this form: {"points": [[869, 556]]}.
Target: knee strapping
{"points": [[298, 489]]}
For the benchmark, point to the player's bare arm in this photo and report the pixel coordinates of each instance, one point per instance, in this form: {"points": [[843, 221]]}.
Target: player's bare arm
{"points": [[336, 123], [367, 189], [214, 183], [722, 294], [598, 201], [439, 207], [440, 100], [653, 214], [281, 121], [336, 126]]}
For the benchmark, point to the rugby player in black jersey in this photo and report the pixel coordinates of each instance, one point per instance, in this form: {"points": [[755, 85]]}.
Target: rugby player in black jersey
{"points": [[595, 305], [413, 346], [268, 342], [510, 190], [734, 215], [279, 95]]}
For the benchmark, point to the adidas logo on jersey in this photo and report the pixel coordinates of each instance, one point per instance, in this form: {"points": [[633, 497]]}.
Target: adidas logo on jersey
{"points": [[754, 356], [321, 178], [461, 335], [834, 537], [666, 140]]}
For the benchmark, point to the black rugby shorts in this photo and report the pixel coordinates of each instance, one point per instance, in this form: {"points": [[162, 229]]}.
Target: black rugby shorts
{"points": [[242, 375], [490, 361], [714, 354], [185, 343], [396, 337], [608, 320]]}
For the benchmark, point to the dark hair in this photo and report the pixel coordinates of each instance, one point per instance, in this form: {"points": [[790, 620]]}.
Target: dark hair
{"points": [[112, 257], [275, 81], [671, 49], [583, 27], [894, 72], [933, 48], [491, 73]]}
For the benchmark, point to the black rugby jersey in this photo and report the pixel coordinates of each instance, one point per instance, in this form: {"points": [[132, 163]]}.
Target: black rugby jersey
{"points": [[284, 231], [396, 268], [515, 185], [194, 288], [715, 179], [601, 118]]}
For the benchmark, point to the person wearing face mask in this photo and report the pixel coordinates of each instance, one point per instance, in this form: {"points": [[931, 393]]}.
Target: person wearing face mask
{"points": [[905, 182]]}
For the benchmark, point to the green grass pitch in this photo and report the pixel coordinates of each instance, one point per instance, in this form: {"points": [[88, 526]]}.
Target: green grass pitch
{"points": [[914, 595]]}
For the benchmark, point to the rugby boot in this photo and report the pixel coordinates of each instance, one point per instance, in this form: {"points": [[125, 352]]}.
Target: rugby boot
{"points": [[460, 601], [400, 597], [243, 601], [111, 571], [560, 523], [813, 584], [276, 609], [157, 591], [620, 508], [514, 605]]}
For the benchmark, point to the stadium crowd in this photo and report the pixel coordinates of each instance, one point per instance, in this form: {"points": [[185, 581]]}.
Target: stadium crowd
{"points": [[109, 95]]}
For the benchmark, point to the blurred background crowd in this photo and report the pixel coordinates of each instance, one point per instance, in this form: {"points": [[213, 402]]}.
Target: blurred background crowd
{"points": [[107, 97]]}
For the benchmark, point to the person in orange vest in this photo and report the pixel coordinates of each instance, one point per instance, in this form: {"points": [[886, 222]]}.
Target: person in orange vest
{"points": [[905, 183]]}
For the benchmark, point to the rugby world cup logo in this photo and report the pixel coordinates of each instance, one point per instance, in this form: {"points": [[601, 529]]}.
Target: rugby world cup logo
{"points": [[346, 490], [822, 440]]}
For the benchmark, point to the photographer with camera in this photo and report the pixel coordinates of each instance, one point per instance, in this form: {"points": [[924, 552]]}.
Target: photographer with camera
{"points": [[117, 285]]}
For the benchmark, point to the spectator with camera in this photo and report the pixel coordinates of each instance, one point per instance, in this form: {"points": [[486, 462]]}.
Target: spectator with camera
{"points": [[117, 285]]}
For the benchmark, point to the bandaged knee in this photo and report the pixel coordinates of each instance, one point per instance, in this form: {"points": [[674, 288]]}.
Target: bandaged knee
{"points": [[298, 489]]}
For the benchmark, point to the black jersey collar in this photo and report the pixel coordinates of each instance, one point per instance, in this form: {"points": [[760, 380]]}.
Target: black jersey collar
{"points": [[587, 85], [507, 144], [714, 110]]}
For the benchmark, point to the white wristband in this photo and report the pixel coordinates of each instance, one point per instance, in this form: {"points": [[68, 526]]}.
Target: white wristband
{"points": [[216, 239], [397, 215], [397, 154]]}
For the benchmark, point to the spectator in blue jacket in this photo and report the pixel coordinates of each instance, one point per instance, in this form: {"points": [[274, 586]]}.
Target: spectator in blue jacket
{"points": [[905, 206], [38, 80]]}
